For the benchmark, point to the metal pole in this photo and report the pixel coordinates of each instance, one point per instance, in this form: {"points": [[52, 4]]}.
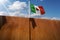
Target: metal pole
{"points": [[29, 22]]}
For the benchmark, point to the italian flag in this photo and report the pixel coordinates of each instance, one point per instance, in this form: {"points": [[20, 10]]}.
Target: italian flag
{"points": [[39, 10]]}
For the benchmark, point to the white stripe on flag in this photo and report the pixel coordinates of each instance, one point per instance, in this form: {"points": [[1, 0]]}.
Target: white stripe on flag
{"points": [[37, 12]]}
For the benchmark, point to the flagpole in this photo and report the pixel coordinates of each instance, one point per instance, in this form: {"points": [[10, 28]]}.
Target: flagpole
{"points": [[29, 21], [29, 8]]}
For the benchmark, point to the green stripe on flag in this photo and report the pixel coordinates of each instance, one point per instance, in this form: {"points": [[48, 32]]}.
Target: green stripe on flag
{"points": [[32, 8]]}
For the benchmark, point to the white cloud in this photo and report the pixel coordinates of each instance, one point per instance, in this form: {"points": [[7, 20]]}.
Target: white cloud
{"points": [[53, 18], [49, 18], [45, 18], [17, 14], [17, 5], [16, 8], [3, 1], [1, 13], [33, 15]]}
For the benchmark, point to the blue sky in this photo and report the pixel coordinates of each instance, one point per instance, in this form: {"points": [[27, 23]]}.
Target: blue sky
{"points": [[51, 7]]}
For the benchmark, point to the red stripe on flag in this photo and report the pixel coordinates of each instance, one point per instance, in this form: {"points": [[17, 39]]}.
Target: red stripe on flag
{"points": [[41, 10]]}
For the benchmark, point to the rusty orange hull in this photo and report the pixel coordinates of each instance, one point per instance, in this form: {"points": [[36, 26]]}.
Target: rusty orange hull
{"points": [[22, 29]]}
